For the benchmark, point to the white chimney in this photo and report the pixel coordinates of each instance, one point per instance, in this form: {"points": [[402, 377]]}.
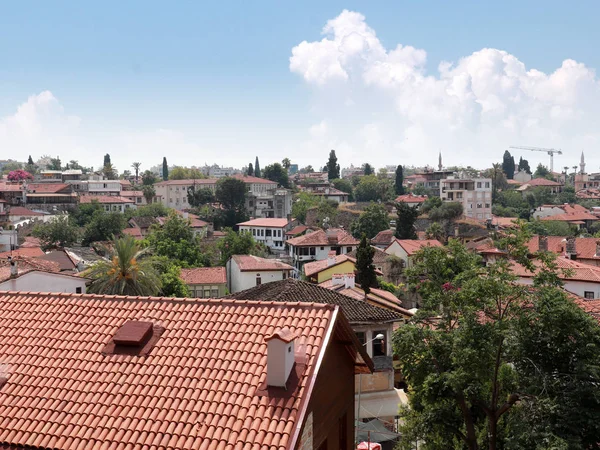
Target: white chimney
{"points": [[14, 270], [186, 215], [280, 357], [337, 279], [331, 258], [349, 280]]}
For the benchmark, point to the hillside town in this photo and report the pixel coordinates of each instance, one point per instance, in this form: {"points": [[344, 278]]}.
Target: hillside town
{"points": [[286, 307]]}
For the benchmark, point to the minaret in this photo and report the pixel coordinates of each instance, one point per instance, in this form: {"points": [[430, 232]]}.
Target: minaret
{"points": [[440, 161], [582, 164]]}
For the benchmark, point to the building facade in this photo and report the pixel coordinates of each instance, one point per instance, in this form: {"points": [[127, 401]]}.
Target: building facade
{"points": [[474, 194]]}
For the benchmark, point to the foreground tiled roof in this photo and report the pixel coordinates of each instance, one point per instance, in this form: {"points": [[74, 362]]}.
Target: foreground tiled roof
{"points": [[195, 389], [292, 290], [254, 263], [204, 275], [320, 238], [579, 271], [412, 246], [265, 222]]}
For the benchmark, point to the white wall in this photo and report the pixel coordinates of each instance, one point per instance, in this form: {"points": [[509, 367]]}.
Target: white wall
{"points": [[575, 287], [240, 281], [274, 242], [542, 212], [44, 282], [397, 250]]}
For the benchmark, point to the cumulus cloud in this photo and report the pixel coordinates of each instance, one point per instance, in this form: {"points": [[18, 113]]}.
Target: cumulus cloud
{"points": [[384, 102]]}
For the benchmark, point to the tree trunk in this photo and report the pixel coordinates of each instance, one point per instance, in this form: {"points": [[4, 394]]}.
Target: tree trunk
{"points": [[471, 437], [492, 432]]}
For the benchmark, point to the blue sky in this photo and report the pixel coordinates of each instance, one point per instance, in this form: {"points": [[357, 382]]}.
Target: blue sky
{"points": [[214, 81]]}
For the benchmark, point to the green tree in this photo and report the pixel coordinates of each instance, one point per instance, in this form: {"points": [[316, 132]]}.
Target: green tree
{"points": [[136, 166], [370, 188], [103, 227], [524, 165], [239, 244], [149, 178], [126, 272], [333, 168], [286, 163], [566, 196], [542, 172], [373, 219], [165, 169], [185, 173], [302, 203], [110, 172], [152, 210], [367, 169], [399, 181], [550, 228], [85, 212], [257, 172], [170, 278], [307, 169], [436, 231], [149, 192], [231, 194], [198, 196], [344, 186], [504, 365], [55, 164], [30, 161], [106, 160], [250, 170], [365, 270], [447, 211], [277, 173], [176, 240], [57, 233], [508, 165], [430, 204], [405, 223]]}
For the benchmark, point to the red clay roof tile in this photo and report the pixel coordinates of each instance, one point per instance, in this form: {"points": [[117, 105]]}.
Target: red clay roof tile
{"points": [[204, 275], [254, 263]]}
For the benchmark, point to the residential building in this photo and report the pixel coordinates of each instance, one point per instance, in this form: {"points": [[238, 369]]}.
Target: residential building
{"points": [[8, 239], [270, 232], [578, 278], [19, 213], [205, 282], [110, 203], [587, 181], [198, 226], [474, 194], [11, 193], [316, 246], [429, 179], [320, 271], [391, 272], [274, 203], [328, 193], [486, 248], [584, 250], [377, 395], [49, 196], [554, 187], [579, 217], [143, 223], [406, 248], [522, 177], [58, 176], [246, 271], [544, 211], [349, 172], [170, 373], [97, 185], [135, 196], [383, 239], [63, 259], [299, 230], [216, 171], [293, 169], [411, 199], [25, 274]]}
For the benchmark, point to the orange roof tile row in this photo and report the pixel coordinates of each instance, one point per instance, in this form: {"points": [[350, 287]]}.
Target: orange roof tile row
{"points": [[586, 248], [410, 198], [250, 263], [22, 211], [412, 246], [265, 222], [579, 271], [104, 199], [31, 252], [204, 275], [196, 389], [25, 265], [312, 268], [321, 238]]}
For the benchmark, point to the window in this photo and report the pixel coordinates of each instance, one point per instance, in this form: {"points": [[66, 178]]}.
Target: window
{"points": [[262, 232], [361, 337], [322, 248], [253, 232], [284, 274], [487, 205], [478, 205], [214, 292], [588, 295], [78, 290], [312, 251], [487, 184], [258, 279], [207, 292], [268, 233], [379, 345], [348, 249], [479, 185]]}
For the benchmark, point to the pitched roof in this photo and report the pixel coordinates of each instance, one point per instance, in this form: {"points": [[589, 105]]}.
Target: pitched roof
{"points": [[379, 257], [538, 182], [384, 237], [321, 238], [251, 263], [574, 216], [135, 232], [26, 265], [297, 230], [204, 275], [592, 307], [104, 199], [264, 222], [49, 188], [579, 271], [292, 290], [31, 252], [10, 187], [585, 247], [22, 211], [143, 221], [196, 388], [410, 198], [412, 246], [314, 267], [209, 181], [61, 258]]}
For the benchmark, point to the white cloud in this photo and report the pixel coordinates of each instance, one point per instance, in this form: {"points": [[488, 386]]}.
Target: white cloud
{"points": [[385, 103]]}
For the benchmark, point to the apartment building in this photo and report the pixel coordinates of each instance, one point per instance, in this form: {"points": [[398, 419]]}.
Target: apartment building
{"points": [[270, 232], [475, 195]]}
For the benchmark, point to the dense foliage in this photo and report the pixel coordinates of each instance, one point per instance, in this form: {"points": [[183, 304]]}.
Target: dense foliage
{"points": [[372, 220], [333, 168], [56, 233], [405, 223], [365, 270], [277, 173], [370, 188]]}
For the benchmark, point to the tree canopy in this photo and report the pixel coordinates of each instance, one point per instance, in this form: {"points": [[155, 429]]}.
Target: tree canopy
{"points": [[276, 172], [241, 243], [508, 165], [405, 223], [365, 270], [398, 185], [231, 194], [370, 188], [57, 233], [257, 172], [367, 169], [333, 168], [372, 220], [165, 169]]}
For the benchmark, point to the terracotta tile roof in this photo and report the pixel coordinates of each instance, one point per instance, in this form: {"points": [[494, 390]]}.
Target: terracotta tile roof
{"points": [[135, 232], [572, 217], [384, 237], [588, 193], [412, 246], [196, 388], [204, 275], [410, 198], [132, 193], [504, 222], [579, 271], [49, 188], [209, 181], [26, 265], [59, 257], [320, 238], [542, 182], [10, 187], [592, 307], [31, 242], [297, 230], [379, 257], [31, 252], [292, 290], [142, 221], [263, 222], [104, 199], [484, 246], [312, 268], [253, 180], [250, 263], [22, 211]]}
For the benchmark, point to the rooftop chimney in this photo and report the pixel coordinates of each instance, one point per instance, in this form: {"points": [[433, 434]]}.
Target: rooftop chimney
{"points": [[349, 280], [14, 270], [280, 357], [337, 279], [543, 243], [571, 251], [597, 248], [331, 258], [332, 236]]}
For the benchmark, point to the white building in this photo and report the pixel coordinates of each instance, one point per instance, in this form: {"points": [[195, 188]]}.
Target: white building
{"points": [[270, 232], [110, 203], [34, 275], [315, 246], [246, 271], [475, 195], [216, 171], [406, 248]]}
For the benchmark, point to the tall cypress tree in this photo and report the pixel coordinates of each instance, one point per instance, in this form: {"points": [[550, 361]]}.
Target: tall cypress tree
{"points": [[399, 180], [405, 224], [256, 168], [365, 270], [165, 169], [508, 165], [333, 168], [106, 160], [250, 170], [30, 161]]}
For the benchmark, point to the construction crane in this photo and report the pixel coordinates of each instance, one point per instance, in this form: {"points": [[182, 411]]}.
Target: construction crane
{"points": [[550, 151]]}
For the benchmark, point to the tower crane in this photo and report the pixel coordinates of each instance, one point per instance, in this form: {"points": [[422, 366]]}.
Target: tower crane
{"points": [[550, 151]]}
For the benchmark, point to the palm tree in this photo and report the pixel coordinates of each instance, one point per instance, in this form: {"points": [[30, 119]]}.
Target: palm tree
{"points": [[126, 273], [136, 167], [436, 231]]}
